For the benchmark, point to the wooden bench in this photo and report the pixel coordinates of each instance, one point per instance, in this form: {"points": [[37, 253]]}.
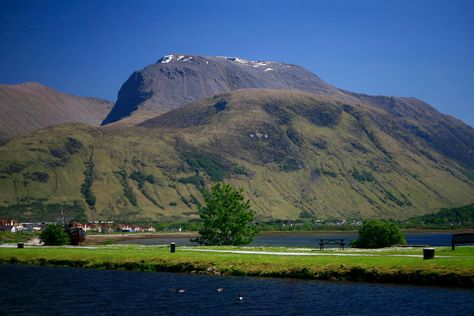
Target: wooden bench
{"points": [[323, 242], [466, 238]]}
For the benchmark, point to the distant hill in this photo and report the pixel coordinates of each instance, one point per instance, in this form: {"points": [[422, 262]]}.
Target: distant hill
{"points": [[30, 106], [175, 80], [290, 151], [452, 217]]}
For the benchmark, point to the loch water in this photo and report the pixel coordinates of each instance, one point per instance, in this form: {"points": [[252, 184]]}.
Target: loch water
{"points": [[302, 239], [36, 290]]}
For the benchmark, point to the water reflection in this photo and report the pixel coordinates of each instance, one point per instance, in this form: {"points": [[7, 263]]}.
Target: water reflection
{"points": [[28, 290], [302, 240]]}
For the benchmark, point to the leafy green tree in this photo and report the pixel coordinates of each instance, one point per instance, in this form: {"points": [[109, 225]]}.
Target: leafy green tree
{"points": [[54, 235], [378, 234], [227, 217]]}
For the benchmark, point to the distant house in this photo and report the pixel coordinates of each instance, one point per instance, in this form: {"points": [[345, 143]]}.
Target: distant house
{"points": [[32, 227], [8, 222], [10, 225], [135, 228]]}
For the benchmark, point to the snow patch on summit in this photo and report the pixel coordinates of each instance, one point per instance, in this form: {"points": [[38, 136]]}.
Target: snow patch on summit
{"points": [[166, 59], [250, 63], [169, 58]]}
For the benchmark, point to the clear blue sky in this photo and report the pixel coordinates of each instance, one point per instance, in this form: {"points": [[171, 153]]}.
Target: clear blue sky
{"points": [[406, 47]]}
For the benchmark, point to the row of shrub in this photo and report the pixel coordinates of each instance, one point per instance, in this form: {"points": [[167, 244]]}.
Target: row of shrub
{"points": [[127, 190], [86, 187]]}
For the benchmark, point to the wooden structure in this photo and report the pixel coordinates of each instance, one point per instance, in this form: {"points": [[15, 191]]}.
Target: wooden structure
{"points": [[323, 242], [466, 238]]}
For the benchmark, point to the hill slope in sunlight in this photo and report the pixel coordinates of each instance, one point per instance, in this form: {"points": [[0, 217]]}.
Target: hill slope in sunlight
{"points": [[290, 151]]}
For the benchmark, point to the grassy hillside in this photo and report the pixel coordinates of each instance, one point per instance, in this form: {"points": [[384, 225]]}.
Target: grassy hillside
{"points": [[289, 151]]}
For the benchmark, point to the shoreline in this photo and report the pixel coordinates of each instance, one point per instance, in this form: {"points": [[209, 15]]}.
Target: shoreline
{"points": [[381, 267], [328, 232], [101, 238]]}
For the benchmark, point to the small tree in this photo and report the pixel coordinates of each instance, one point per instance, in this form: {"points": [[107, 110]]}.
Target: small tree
{"points": [[378, 234], [54, 235], [227, 219]]}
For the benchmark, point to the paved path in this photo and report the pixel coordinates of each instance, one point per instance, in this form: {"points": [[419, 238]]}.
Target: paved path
{"points": [[278, 253]]}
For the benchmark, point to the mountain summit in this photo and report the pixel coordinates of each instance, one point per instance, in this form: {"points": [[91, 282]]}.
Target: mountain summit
{"points": [[175, 80]]}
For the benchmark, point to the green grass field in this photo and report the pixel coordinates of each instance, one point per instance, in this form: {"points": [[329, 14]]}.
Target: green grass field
{"points": [[392, 265]]}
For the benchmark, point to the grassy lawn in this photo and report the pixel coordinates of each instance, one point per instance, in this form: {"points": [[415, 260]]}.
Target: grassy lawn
{"points": [[386, 265]]}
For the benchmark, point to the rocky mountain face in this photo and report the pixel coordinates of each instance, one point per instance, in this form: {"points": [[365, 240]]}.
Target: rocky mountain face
{"points": [[179, 79], [30, 106]]}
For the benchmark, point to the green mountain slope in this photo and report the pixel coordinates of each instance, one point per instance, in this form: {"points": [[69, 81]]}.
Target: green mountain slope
{"points": [[290, 151]]}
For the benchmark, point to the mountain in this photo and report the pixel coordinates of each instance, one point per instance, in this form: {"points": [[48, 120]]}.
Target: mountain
{"points": [[30, 106], [290, 151], [179, 79]]}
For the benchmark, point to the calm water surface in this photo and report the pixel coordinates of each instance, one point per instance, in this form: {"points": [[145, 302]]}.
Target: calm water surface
{"points": [[303, 240], [34, 290]]}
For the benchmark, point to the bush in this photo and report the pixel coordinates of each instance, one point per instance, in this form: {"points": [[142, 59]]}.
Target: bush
{"points": [[362, 176], [72, 145], [60, 154], [378, 234], [54, 235], [215, 167], [14, 168], [291, 164], [306, 214], [40, 177], [139, 178], [197, 181]]}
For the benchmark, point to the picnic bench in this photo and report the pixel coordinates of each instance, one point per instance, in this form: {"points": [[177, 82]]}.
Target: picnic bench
{"points": [[465, 238], [323, 242]]}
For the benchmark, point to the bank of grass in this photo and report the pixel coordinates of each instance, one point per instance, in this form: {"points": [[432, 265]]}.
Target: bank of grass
{"points": [[449, 268], [8, 237]]}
